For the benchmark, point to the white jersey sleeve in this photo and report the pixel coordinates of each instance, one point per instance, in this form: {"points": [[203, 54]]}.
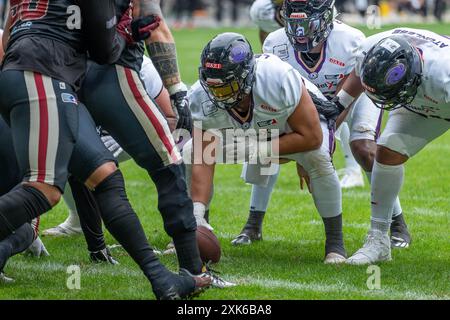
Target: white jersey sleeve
{"points": [[277, 83], [150, 77], [263, 14]]}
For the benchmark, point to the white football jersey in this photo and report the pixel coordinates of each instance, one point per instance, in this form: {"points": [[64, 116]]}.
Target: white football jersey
{"points": [[265, 15], [337, 60], [276, 93], [433, 96], [151, 78]]}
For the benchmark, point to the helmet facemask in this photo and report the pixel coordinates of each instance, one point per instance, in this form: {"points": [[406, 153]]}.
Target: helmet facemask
{"points": [[308, 23]]}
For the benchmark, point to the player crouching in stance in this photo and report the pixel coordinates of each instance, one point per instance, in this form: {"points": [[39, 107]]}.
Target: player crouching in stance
{"points": [[240, 91], [406, 71]]}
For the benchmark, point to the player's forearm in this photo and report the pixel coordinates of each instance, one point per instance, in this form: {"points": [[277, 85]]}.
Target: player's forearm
{"points": [[295, 142], [161, 46], [202, 182], [350, 91]]}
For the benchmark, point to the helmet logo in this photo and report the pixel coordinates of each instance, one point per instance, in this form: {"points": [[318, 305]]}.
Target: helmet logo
{"points": [[395, 74], [211, 65], [239, 53]]}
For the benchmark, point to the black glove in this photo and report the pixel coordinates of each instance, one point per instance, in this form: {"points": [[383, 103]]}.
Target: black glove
{"points": [[328, 109], [136, 30], [181, 103]]}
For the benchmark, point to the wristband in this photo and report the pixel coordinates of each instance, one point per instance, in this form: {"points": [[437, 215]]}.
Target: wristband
{"points": [[343, 99], [199, 209], [177, 88]]}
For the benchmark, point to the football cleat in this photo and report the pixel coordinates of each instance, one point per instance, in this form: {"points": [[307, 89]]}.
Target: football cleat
{"points": [[5, 279], [37, 249], [176, 287], [170, 249], [400, 237], [248, 236], [62, 230], [377, 248], [101, 256], [352, 179], [334, 258], [216, 281]]}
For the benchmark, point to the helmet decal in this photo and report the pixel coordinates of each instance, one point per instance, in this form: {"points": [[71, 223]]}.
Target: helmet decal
{"points": [[395, 74], [239, 53]]}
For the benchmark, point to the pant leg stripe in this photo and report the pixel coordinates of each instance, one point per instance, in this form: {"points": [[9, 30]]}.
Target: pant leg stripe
{"points": [[152, 126], [43, 127], [33, 141], [53, 130], [378, 128]]}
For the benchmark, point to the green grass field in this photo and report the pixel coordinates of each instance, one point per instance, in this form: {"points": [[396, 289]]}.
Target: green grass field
{"points": [[288, 263]]}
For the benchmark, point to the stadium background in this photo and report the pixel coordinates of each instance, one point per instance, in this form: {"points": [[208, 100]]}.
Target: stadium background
{"points": [[288, 263]]}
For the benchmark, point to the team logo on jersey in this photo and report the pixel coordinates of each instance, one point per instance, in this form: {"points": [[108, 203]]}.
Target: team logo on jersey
{"points": [[69, 98], [266, 123], [335, 76], [209, 108], [336, 61], [313, 75], [281, 51]]}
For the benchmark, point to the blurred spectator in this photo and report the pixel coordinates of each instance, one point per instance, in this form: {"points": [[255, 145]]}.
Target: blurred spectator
{"points": [[220, 10], [184, 10]]}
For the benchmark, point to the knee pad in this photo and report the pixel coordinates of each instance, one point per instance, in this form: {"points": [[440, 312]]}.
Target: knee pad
{"points": [[318, 163], [173, 201]]}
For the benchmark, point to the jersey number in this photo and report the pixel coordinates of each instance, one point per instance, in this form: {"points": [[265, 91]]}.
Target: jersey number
{"points": [[26, 10]]}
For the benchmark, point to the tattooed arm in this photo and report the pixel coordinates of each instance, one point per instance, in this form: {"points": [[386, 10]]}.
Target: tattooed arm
{"points": [[161, 46]]}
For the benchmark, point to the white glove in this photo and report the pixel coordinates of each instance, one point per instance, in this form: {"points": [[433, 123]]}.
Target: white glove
{"points": [[37, 249], [199, 213], [112, 145]]}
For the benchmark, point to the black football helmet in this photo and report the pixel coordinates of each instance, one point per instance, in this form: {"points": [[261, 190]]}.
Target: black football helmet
{"points": [[391, 73], [308, 22], [227, 69]]}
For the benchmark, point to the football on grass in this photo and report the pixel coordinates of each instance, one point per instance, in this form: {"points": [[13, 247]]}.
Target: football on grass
{"points": [[208, 245]]}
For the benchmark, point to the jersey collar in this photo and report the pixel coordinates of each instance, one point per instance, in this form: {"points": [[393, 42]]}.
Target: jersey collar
{"points": [[319, 64]]}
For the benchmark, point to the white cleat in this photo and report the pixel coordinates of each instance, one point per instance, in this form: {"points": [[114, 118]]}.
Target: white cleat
{"points": [[170, 249], [352, 179], [62, 230], [37, 249], [5, 279], [334, 258], [377, 248]]}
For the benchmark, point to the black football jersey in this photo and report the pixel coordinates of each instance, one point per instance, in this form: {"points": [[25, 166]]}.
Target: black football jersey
{"points": [[132, 55], [42, 40]]}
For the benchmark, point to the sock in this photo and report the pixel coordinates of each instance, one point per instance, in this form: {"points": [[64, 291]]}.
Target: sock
{"points": [[386, 184], [334, 235], [124, 225], [326, 191], [397, 206], [261, 195], [72, 220], [350, 161], [176, 209], [16, 243], [255, 220], [20, 206], [89, 217]]}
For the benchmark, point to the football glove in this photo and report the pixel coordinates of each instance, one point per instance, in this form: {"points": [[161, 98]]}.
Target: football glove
{"points": [[136, 30], [328, 109], [180, 105]]}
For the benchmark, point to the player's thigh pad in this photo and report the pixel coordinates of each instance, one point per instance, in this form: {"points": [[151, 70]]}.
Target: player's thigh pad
{"points": [[89, 152], [407, 132], [42, 114], [262, 13], [364, 120], [118, 101]]}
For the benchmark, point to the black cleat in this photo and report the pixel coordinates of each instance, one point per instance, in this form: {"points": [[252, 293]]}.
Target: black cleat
{"points": [[176, 287], [252, 230], [400, 237], [102, 256]]}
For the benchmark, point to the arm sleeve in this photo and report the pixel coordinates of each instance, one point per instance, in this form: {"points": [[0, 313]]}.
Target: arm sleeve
{"points": [[104, 44]]}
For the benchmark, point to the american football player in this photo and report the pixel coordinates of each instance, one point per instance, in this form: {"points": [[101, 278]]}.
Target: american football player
{"points": [[62, 135], [240, 91], [407, 72], [323, 50]]}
